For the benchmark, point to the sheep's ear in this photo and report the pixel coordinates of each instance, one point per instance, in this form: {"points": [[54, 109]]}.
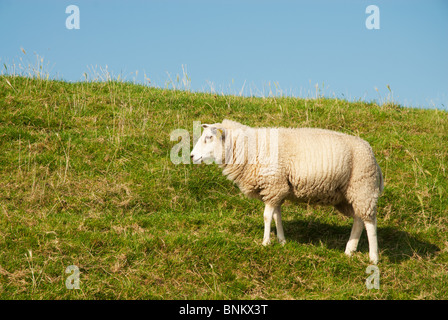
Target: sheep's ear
{"points": [[205, 125], [219, 132]]}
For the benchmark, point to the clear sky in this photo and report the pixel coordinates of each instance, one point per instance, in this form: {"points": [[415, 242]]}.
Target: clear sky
{"points": [[248, 46]]}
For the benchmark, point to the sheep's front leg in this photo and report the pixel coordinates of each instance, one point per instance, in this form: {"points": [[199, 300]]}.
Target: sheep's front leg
{"points": [[267, 216], [279, 225]]}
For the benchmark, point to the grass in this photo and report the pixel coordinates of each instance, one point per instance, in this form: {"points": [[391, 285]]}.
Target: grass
{"points": [[86, 180]]}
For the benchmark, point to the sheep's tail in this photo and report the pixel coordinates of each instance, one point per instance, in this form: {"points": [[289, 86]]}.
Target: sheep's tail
{"points": [[380, 178]]}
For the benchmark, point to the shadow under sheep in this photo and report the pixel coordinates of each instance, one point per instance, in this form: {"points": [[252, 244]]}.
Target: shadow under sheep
{"points": [[397, 245]]}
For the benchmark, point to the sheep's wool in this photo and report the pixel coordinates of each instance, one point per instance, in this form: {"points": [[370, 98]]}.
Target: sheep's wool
{"points": [[312, 165]]}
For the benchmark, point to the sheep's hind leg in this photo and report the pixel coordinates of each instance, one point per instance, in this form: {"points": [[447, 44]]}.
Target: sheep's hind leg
{"points": [[369, 221], [355, 234], [373, 241], [267, 216], [358, 225], [279, 225]]}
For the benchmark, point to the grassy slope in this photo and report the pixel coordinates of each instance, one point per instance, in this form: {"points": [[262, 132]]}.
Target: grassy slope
{"points": [[86, 180]]}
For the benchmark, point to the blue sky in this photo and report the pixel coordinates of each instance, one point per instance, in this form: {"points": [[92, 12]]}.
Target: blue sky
{"points": [[248, 46]]}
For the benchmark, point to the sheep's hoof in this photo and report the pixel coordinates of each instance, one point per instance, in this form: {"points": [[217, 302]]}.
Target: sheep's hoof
{"points": [[374, 260], [282, 242], [266, 243], [349, 253]]}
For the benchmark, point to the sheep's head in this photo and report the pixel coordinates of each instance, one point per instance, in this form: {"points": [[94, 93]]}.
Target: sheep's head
{"points": [[209, 147]]}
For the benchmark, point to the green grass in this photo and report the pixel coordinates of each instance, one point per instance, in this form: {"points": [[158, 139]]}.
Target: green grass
{"points": [[86, 180]]}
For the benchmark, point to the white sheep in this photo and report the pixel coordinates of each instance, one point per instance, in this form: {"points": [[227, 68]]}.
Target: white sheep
{"points": [[308, 165]]}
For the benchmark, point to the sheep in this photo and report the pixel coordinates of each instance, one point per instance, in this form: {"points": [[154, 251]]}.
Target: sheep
{"points": [[308, 165]]}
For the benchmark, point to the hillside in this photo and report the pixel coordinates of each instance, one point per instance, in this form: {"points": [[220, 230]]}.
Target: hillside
{"points": [[86, 180]]}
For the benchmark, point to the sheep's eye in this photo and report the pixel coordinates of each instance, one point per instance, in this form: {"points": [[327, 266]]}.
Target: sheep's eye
{"points": [[207, 138]]}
